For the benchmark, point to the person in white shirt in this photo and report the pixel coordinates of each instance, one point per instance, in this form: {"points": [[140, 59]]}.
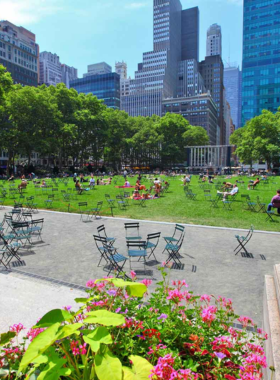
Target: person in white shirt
{"points": [[92, 182], [232, 193]]}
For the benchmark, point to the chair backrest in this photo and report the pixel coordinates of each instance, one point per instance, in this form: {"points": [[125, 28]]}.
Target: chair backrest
{"points": [[154, 236], [37, 221], [101, 229], [136, 244], [178, 230], [50, 197], [82, 204], [99, 204], [131, 226]]}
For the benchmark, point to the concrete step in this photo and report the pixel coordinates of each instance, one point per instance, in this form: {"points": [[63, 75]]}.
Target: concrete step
{"points": [[271, 324]]}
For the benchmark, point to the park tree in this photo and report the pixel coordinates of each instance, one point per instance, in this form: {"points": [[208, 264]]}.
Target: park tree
{"points": [[195, 136], [259, 139]]}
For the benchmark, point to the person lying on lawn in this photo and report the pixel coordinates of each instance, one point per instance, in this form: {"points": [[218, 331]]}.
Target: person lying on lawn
{"points": [[232, 193]]}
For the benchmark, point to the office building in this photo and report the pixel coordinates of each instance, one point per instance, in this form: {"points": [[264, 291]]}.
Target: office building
{"points": [[50, 69], [233, 87], [121, 69], [212, 71], [190, 34], [189, 79], [156, 77], [98, 69], [214, 40], [68, 74], [228, 120], [19, 53], [103, 86], [261, 58], [199, 110]]}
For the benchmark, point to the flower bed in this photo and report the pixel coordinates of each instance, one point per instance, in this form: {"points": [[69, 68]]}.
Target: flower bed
{"points": [[121, 334]]}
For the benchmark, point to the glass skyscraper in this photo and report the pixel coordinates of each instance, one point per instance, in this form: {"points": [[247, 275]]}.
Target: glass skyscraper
{"points": [[233, 85], [104, 86], [261, 57]]}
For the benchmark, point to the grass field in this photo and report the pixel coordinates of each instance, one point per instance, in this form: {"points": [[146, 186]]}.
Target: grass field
{"points": [[172, 206]]}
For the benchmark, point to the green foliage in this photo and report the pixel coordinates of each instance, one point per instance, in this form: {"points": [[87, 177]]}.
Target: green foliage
{"points": [[105, 318], [259, 139], [5, 338], [54, 316], [132, 288], [108, 366], [141, 369]]}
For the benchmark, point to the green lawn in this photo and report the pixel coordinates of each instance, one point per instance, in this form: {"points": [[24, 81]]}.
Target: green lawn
{"points": [[173, 206]]}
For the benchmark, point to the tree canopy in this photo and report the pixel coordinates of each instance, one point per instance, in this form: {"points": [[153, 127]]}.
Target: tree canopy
{"points": [[60, 123]]}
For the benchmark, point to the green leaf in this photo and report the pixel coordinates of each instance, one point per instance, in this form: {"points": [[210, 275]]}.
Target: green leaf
{"points": [[82, 300], [107, 367], [104, 317], [128, 374], [54, 316], [134, 289], [39, 345], [98, 336], [45, 339], [141, 368], [54, 368], [6, 337]]}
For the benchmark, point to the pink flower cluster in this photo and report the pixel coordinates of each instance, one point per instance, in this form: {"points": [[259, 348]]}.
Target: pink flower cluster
{"points": [[245, 321], [32, 333], [154, 350], [17, 328], [209, 314], [177, 296], [78, 349], [223, 340], [206, 298], [146, 282], [164, 371]]}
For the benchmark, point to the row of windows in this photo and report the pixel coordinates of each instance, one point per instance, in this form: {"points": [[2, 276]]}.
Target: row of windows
{"points": [[261, 45], [262, 34], [261, 15], [261, 54], [161, 39], [264, 4], [259, 25]]}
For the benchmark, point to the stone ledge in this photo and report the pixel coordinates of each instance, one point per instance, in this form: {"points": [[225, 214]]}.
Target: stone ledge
{"points": [[277, 282], [271, 322]]}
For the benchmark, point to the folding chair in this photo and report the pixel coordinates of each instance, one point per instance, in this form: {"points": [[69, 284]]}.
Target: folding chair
{"points": [[36, 227], [22, 233], [245, 198], [270, 215], [243, 241], [9, 252], [177, 234], [16, 214], [122, 203], [262, 206], [215, 201], [207, 195], [227, 205], [102, 231], [30, 205], [152, 243], [49, 201], [132, 227], [173, 250], [111, 203], [137, 249], [96, 211], [100, 243], [84, 211], [117, 262]]}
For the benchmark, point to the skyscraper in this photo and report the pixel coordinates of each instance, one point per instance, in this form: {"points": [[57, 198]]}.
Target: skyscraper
{"points": [[214, 40], [212, 71], [190, 34], [261, 58], [50, 69], [156, 77], [233, 87], [98, 69], [68, 74], [19, 53]]}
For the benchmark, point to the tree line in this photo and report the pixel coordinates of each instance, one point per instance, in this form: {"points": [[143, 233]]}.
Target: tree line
{"points": [[61, 124]]}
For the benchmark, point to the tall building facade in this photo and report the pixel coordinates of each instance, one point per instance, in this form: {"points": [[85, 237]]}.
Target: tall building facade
{"points": [[156, 78], [103, 86], [98, 69], [121, 69], [19, 53], [261, 58], [190, 34], [68, 74], [214, 40], [189, 80], [233, 87], [212, 71], [50, 69], [199, 110]]}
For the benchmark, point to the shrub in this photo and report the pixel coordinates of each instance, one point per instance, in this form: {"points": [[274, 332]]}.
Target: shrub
{"points": [[121, 332]]}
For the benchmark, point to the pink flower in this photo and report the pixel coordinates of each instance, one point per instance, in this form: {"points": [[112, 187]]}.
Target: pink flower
{"points": [[17, 328], [32, 333], [147, 282], [133, 275], [175, 296], [209, 314], [245, 321], [83, 349], [206, 298], [90, 284]]}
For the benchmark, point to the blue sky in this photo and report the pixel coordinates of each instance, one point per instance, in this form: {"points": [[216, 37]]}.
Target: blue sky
{"points": [[90, 31]]}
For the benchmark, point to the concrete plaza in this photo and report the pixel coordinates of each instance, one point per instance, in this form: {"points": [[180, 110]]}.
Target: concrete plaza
{"points": [[67, 258]]}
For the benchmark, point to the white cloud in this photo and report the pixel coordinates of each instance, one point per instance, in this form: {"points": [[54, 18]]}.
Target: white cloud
{"points": [[27, 11], [135, 5]]}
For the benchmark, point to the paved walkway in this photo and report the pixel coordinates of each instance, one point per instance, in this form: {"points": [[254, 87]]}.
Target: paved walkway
{"points": [[68, 254]]}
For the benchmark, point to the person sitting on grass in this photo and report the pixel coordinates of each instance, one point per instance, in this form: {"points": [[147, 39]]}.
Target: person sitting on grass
{"points": [[186, 180], [232, 193], [126, 184], [11, 179], [227, 185], [78, 187], [275, 202], [43, 183], [253, 184]]}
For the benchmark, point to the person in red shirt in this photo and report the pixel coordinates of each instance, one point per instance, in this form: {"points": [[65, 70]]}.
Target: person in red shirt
{"points": [[275, 202]]}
